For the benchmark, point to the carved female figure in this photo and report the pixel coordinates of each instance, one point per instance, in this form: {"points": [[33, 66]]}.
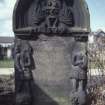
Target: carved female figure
{"points": [[26, 61], [22, 57]]}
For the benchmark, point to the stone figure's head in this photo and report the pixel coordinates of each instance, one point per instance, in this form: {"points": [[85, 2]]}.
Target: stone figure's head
{"points": [[17, 46], [26, 47], [80, 60]]}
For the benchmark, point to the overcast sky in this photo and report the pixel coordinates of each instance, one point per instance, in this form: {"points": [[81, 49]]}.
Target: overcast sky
{"points": [[6, 10], [96, 7]]}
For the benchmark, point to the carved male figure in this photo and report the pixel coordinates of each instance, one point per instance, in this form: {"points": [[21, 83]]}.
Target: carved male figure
{"points": [[79, 77]]}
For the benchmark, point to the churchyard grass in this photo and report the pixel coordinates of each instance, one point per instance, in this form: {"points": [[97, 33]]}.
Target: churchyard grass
{"points": [[6, 63]]}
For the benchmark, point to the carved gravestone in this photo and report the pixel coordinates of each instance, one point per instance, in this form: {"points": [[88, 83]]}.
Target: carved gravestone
{"points": [[50, 51]]}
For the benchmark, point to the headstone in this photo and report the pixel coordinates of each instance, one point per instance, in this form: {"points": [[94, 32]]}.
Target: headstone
{"points": [[50, 51]]}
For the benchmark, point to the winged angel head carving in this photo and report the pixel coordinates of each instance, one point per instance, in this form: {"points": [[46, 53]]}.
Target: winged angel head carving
{"points": [[52, 13]]}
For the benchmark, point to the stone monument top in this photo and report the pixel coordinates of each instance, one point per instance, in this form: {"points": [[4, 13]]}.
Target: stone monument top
{"points": [[51, 17]]}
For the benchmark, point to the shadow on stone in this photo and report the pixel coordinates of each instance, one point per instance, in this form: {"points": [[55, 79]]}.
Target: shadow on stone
{"points": [[41, 98]]}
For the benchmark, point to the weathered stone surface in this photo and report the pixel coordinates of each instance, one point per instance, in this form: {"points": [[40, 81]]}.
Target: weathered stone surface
{"points": [[50, 52], [53, 66]]}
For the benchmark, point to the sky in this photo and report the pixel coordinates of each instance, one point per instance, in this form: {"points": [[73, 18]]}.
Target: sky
{"points": [[97, 14], [96, 8]]}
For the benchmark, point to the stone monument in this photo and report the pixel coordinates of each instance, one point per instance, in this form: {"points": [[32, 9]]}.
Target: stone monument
{"points": [[50, 51]]}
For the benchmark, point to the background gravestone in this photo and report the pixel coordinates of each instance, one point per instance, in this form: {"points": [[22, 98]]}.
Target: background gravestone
{"points": [[50, 51]]}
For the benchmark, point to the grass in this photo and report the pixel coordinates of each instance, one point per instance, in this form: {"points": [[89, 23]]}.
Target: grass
{"points": [[6, 63], [7, 90], [97, 95]]}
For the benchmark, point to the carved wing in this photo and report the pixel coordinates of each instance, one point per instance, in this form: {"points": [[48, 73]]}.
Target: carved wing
{"points": [[67, 15], [18, 15], [69, 2]]}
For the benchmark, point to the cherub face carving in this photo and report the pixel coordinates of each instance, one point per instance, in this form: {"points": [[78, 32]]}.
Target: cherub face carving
{"points": [[54, 4], [53, 7]]}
